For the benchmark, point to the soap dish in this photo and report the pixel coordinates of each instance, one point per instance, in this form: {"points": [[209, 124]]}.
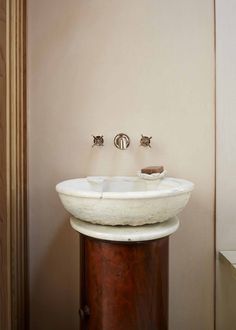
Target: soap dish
{"points": [[153, 176]]}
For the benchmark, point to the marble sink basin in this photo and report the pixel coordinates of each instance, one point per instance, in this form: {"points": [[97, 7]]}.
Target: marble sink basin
{"points": [[124, 200]]}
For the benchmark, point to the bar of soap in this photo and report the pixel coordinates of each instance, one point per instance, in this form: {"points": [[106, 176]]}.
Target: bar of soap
{"points": [[152, 169]]}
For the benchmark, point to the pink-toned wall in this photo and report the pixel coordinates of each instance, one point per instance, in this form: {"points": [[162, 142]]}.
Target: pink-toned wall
{"points": [[101, 67]]}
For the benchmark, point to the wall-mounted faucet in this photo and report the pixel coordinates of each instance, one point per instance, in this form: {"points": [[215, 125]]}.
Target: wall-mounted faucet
{"points": [[145, 141], [98, 140], [122, 141]]}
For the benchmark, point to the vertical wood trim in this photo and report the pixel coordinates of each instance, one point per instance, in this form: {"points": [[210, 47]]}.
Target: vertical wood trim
{"points": [[5, 297], [17, 159], [13, 198]]}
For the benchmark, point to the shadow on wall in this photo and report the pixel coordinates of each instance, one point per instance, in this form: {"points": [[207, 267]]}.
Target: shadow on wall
{"points": [[57, 281]]}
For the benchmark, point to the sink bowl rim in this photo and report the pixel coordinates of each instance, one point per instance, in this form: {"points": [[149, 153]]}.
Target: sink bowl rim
{"points": [[141, 233], [183, 187]]}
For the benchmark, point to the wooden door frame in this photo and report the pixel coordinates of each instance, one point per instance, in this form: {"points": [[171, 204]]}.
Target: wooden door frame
{"points": [[13, 167]]}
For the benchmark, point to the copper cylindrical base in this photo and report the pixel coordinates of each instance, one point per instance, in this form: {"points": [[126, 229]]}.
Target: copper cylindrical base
{"points": [[124, 286]]}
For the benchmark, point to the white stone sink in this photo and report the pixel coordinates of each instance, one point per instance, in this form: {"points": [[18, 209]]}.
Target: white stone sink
{"points": [[124, 200]]}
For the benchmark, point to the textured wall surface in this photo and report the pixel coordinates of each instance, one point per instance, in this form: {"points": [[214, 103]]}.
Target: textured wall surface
{"points": [[102, 67]]}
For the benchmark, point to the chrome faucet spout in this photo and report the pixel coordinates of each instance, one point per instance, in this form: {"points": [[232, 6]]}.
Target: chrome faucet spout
{"points": [[122, 141]]}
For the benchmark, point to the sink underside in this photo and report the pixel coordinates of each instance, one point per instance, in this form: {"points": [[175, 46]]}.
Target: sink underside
{"points": [[124, 200]]}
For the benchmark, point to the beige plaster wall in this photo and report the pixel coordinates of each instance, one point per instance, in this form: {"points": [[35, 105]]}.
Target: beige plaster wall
{"points": [[101, 67]]}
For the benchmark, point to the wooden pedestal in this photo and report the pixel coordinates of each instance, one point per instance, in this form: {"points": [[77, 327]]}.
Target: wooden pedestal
{"points": [[124, 286]]}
